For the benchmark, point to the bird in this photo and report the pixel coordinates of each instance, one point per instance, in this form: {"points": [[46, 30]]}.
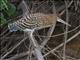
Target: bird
{"points": [[35, 21]]}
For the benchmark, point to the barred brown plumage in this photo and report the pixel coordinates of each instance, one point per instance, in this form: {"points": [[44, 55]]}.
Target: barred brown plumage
{"points": [[36, 20]]}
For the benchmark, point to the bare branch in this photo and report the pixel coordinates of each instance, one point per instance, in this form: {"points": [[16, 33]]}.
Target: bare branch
{"points": [[74, 36]]}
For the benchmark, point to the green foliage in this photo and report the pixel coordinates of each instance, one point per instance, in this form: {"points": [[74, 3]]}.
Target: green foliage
{"points": [[3, 20], [3, 4], [7, 10]]}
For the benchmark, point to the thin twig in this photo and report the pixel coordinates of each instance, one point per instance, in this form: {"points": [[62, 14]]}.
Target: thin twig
{"points": [[14, 48], [66, 35], [4, 32], [18, 55], [74, 36], [61, 33], [64, 9]]}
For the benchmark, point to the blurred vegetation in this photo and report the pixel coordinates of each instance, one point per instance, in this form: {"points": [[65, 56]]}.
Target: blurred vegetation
{"points": [[7, 11]]}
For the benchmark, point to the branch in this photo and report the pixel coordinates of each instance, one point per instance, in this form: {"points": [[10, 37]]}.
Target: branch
{"points": [[63, 43], [14, 48]]}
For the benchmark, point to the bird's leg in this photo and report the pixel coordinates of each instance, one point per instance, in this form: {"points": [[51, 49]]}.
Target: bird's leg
{"points": [[37, 49]]}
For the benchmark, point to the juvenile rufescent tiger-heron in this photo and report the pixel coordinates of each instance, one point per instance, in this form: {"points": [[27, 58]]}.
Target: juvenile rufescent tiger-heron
{"points": [[35, 21]]}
